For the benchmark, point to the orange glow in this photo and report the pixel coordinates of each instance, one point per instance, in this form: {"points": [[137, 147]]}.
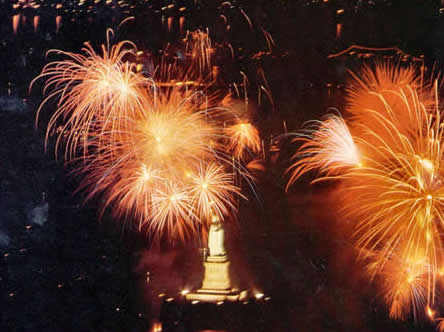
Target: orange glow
{"points": [[156, 326]]}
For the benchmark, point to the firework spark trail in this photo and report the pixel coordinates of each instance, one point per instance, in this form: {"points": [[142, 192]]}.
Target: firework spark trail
{"points": [[404, 286], [392, 189], [198, 45], [384, 89], [244, 137], [328, 146]]}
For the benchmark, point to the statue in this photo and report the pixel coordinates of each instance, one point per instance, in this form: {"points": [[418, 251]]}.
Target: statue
{"points": [[216, 238], [216, 284]]}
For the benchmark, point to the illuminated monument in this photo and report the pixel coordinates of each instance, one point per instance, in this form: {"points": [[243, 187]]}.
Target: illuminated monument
{"points": [[216, 285]]}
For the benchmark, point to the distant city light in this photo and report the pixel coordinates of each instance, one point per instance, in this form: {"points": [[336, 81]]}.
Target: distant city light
{"points": [[259, 295]]}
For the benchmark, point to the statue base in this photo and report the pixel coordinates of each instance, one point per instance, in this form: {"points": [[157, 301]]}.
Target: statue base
{"points": [[216, 285]]}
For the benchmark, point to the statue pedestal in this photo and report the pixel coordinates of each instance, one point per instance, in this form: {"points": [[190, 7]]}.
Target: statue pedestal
{"points": [[216, 285], [217, 273]]}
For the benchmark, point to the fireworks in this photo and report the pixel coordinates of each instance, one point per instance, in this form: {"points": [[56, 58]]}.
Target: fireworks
{"points": [[157, 153], [388, 158], [198, 46], [166, 164], [404, 286], [386, 91], [327, 146], [212, 190], [92, 90], [243, 137]]}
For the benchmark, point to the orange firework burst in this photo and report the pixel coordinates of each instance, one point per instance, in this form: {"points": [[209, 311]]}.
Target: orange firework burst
{"points": [[393, 188], [172, 211], [243, 138], [212, 191], [328, 146], [397, 203], [399, 189], [92, 90]]}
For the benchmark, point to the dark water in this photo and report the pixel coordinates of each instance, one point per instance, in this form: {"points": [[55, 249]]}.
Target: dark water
{"points": [[72, 273]]}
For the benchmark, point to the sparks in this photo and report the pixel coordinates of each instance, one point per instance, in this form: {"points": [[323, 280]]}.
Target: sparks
{"points": [[389, 161], [157, 154], [328, 146]]}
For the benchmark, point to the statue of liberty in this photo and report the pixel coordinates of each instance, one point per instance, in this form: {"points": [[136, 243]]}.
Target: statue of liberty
{"points": [[216, 238]]}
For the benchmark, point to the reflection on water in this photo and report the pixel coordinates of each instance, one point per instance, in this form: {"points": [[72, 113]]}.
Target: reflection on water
{"points": [[36, 22], [338, 30], [170, 24], [181, 22], [58, 20], [43, 28], [19, 22], [15, 23]]}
